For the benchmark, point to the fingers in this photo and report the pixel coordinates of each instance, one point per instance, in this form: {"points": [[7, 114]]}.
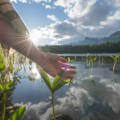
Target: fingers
{"points": [[68, 70], [61, 59], [68, 74], [66, 65], [59, 65]]}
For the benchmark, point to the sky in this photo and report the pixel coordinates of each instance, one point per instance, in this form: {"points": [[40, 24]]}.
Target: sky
{"points": [[53, 21]]}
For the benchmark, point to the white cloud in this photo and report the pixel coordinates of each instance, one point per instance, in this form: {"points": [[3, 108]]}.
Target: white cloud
{"points": [[84, 98], [92, 18], [23, 1], [58, 31], [35, 111], [52, 18], [111, 19], [75, 8], [116, 2], [44, 35], [29, 1], [38, 1], [82, 101], [48, 7]]}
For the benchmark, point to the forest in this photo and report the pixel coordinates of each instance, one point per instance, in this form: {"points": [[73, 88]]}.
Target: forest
{"points": [[108, 47]]}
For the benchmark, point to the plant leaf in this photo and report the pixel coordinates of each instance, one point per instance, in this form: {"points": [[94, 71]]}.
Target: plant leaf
{"points": [[2, 60], [1, 88], [46, 79], [67, 81], [18, 114], [68, 60], [9, 85], [60, 84], [11, 67], [55, 81]]}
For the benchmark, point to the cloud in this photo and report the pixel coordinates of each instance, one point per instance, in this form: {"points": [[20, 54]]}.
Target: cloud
{"points": [[88, 12], [82, 101], [75, 8], [35, 111], [48, 7], [43, 35], [76, 98], [29, 1], [85, 99], [91, 18], [98, 12], [55, 32], [111, 19], [23, 1], [52, 18]]}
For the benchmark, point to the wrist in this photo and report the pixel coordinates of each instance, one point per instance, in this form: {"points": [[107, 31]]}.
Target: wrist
{"points": [[42, 60]]}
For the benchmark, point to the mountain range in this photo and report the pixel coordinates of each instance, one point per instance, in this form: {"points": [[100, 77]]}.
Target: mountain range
{"points": [[114, 37]]}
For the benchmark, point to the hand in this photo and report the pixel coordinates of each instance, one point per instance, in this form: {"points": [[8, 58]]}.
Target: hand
{"points": [[52, 65]]}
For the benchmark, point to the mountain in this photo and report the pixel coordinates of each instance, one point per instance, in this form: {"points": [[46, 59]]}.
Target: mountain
{"points": [[85, 41], [114, 37], [91, 40]]}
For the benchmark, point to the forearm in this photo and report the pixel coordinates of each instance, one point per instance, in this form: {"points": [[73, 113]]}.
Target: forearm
{"points": [[26, 48], [20, 43]]}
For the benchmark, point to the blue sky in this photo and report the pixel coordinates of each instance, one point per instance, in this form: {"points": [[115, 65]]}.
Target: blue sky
{"points": [[35, 14], [56, 21]]}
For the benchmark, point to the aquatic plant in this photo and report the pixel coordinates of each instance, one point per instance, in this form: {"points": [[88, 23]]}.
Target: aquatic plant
{"points": [[54, 85], [7, 85], [18, 114], [91, 60], [69, 60], [115, 61]]}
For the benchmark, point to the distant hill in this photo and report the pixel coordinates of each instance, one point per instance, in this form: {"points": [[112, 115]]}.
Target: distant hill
{"points": [[108, 47], [110, 44], [114, 37]]}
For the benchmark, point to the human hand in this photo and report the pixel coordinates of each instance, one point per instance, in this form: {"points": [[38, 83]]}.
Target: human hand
{"points": [[54, 64]]}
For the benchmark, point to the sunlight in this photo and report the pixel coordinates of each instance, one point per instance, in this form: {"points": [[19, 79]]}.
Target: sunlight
{"points": [[35, 36]]}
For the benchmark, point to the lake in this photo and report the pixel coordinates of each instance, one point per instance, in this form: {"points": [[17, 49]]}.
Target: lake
{"points": [[93, 95]]}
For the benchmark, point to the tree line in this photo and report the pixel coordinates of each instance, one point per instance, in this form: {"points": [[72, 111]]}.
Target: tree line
{"points": [[109, 47]]}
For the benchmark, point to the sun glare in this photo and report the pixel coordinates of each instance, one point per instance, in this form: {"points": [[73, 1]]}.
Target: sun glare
{"points": [[34, 37]]}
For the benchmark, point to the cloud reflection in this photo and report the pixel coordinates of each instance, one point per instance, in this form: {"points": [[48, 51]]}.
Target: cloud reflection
{"points": [[85, 100]]}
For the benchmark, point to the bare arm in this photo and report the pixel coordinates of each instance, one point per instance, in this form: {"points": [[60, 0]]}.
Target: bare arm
{"points": [[23, 45], [13, 34], [49, 62]]}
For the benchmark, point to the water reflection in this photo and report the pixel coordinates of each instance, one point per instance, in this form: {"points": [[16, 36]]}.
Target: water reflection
{"points": [[93, 96]]}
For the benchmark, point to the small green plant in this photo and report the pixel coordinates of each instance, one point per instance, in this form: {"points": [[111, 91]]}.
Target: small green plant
{"points": [[18, 114], [91, 60], [53, 86], [69, 60], [7, 85], [115, 61]]}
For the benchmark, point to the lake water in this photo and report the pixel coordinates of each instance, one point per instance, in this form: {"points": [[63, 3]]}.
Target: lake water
{"points": [[94, 94]]}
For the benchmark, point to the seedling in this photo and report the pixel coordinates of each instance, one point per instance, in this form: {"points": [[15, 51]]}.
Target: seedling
{"points": [[54, 85], [116, 60], [91, 60], [18, 114]]}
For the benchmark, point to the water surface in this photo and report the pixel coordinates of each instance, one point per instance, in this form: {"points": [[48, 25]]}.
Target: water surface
{"points": [[94, 94]]}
